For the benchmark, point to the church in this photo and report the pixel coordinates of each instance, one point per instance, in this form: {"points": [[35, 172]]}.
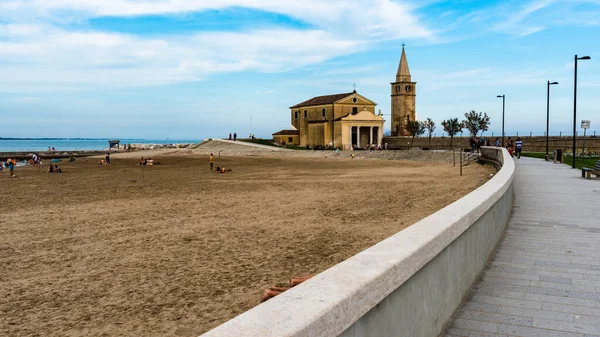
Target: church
{"points": [[348, 120]]}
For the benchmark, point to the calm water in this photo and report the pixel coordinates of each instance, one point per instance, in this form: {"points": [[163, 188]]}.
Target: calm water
{"points": [[68, 144]]}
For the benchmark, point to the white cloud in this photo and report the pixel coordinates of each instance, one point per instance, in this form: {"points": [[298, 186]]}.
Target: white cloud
{"points": [[36, 51]]}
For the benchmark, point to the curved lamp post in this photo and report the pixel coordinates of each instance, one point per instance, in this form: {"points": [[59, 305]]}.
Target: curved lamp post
{"points": [[575, 107]]}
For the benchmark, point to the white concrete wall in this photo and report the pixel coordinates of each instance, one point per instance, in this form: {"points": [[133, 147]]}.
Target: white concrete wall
{"points": [[407, 285]]}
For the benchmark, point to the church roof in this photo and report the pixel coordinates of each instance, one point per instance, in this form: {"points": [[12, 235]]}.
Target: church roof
{"points": [[321, 100], [287, 133], [403, 74]]}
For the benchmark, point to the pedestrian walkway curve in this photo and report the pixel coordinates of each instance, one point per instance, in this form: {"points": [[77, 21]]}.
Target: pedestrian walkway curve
{"points": [[544, 278]]}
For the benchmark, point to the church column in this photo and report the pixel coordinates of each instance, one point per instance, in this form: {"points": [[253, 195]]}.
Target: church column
{"points": [[380, 135], [371, 135], [358, 136], [351, 127]]}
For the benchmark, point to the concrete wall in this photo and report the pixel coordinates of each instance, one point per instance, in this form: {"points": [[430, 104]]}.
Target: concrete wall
{"points": [[407, 285]]}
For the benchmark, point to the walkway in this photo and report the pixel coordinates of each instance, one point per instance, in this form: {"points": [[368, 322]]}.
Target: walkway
{"points": [[544, 279]]}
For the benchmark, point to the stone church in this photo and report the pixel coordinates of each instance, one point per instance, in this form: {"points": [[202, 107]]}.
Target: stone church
{"points": [[348, 120]]}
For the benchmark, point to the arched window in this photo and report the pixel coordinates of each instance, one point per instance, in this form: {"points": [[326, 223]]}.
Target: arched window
{"points": [[305, 114], [296, 115], [354, 110], [323, 112]]}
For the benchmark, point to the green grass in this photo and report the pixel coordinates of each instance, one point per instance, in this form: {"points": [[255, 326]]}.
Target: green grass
{"points": [[579, 162]]}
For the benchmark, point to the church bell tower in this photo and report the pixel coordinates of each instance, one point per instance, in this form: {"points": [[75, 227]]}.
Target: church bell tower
{"points": [[404, 94]]}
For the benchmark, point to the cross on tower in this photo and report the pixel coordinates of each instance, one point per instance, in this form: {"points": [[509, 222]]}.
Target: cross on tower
{"points": [[354, 86]]}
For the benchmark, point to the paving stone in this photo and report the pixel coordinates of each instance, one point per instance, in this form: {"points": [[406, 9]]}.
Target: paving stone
{"points": [[556, 279], [469, 324], [486, 307], [566, 326], [458, 332], [508, 302], [572, 309], [586, 319], [495, 318], [514, 330], [533, 313]]}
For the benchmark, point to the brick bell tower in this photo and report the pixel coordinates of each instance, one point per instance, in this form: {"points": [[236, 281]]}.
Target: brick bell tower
{"points": [[404, 95]]}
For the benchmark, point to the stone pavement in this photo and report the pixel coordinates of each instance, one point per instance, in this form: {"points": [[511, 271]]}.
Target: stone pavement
{"points": [[544, 279]]}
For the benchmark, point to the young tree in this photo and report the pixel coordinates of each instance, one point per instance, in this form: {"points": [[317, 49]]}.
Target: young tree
{"points": [[452, 126], [476, 121], [415, 128], [430, 126]]}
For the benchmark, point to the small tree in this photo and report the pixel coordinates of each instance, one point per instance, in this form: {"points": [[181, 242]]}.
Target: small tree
{"points": [[430, 127], [453, 127], [475, 121], [415, 128]]}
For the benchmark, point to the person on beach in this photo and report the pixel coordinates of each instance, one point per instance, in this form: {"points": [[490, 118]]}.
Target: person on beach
{"points": [[11, 163], [234, 136], [50, 169], [518, 147], [497, 144], [230, 136], [212, 161], [510, 146], [107, 159], [57, 169]]}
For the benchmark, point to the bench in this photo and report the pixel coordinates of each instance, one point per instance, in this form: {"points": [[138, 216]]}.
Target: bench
{"points": [[587, 172]]}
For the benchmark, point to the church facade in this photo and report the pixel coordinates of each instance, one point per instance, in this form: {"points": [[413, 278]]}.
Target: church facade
{"points": [[404, 96], [343, 121], [348, 120]]}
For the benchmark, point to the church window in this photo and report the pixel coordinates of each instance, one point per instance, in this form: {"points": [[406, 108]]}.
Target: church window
{"points": [[354, 110], [296, 115], [323, 113], [354, 100], [408, 88], [290, 139], [305, 114]]}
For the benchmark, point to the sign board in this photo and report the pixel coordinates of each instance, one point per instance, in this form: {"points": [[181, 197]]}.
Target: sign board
{"points": [[585, 124]]}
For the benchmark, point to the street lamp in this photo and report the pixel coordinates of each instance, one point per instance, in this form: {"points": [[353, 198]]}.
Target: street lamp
{"points": [[575, 106], [503, 106], [548, 116]]}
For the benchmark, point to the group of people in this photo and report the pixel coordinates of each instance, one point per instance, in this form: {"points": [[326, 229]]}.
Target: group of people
{"points": [[516, 146], [36, 160], [51, 149], [54, 168], [148, 162], [211, 161], [512, 146], [234, 136]]}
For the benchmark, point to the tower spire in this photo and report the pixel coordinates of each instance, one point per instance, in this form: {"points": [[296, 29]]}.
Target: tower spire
{"points": [[403, 74]]}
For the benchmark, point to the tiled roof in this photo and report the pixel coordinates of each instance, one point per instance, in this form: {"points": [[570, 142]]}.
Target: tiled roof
{"points": [[321, 100], [287, 133]]}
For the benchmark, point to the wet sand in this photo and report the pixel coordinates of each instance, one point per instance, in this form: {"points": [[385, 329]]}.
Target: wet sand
{"points": [[175, 250]]}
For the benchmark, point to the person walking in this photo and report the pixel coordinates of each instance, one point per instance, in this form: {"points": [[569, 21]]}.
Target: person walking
{"points": [[212, 161], [230, 136], [497, 144], [234, 136], [518, 147]]}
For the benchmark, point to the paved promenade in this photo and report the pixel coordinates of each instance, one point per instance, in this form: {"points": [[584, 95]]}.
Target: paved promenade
{"points": [[544, 279]]}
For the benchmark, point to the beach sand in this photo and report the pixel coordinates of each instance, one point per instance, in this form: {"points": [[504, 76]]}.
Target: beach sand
{"points": [[175, 250]]}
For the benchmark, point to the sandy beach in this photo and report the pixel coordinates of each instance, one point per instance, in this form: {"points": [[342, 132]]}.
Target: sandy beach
{"points": [[175, 250]]}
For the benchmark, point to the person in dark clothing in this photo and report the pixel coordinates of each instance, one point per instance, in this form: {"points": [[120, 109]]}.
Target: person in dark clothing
{"points": [[234, 136], [107, 159], [518, 147]]}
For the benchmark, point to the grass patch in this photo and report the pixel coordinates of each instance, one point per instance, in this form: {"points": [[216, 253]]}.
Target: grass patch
{"points": [[579, 163]]}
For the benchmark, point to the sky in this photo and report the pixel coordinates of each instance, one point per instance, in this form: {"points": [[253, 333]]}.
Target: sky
{"points": [[193, 69]]}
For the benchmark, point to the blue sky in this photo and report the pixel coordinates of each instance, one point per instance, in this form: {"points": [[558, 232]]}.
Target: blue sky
{"points": [[197, 68]]}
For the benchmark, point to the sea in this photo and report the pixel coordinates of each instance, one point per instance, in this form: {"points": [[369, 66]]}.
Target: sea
{"points": [[65, 144]]}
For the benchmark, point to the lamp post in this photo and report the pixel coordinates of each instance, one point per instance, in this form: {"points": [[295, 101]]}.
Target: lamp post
{"points": [[503, 108], [548, 116], [575, 107]]}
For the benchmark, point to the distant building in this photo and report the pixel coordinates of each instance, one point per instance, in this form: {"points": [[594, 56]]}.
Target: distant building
{"points": [[341, 120], [287, 137], [404, 95]]}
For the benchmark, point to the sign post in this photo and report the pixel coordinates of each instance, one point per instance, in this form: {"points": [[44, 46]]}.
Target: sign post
{"points": [[585, 124]]}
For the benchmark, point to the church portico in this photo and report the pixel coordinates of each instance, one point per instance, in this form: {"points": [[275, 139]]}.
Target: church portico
{"points": [[360, 131]]}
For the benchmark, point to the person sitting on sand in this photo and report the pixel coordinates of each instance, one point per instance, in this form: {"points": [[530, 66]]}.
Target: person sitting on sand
{"points": [[223, 170], [50, 168], [57, 169]]}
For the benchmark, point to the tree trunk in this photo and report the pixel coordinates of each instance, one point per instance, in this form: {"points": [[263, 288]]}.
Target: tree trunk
{"points": [[451, 137], [412, 142]]}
